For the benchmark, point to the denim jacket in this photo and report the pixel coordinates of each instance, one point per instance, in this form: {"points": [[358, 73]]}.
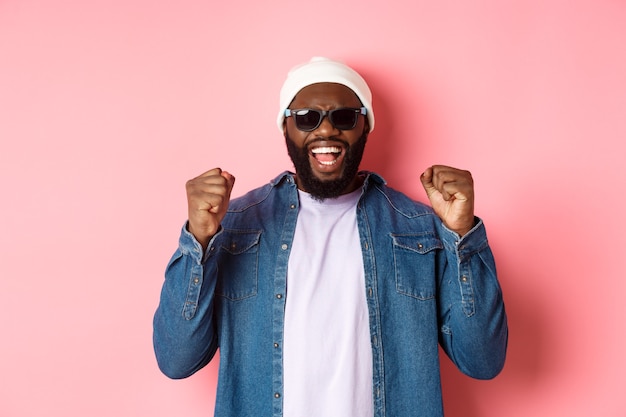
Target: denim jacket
{"points": [[425, 286]]}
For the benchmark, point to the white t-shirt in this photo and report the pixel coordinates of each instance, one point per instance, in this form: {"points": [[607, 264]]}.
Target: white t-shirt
{"points": [[327, 349]]}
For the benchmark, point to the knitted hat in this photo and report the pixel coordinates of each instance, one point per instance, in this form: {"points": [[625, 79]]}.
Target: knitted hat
{"points": [[324, 70]]}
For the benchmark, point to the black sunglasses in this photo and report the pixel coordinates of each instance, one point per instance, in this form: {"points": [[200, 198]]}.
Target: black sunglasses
{"points": [[308, 120]]}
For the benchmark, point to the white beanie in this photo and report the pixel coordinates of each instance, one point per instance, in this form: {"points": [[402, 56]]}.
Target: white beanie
{"points": [[324, 70]]}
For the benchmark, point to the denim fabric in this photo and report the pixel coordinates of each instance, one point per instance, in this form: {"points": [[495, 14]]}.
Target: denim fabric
{"points": [[425, 287]]}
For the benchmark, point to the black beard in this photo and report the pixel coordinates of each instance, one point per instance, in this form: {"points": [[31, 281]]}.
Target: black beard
{"points": [[323, 189]]}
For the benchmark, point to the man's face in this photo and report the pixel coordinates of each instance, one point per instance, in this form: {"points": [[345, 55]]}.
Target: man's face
{"points": [[326, 159]]}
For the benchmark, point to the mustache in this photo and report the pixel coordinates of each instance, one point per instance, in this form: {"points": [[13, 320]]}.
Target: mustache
{"points": [[330, 139]]}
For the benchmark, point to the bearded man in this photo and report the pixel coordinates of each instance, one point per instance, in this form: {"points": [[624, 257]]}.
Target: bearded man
{"points": [[327, 292]]}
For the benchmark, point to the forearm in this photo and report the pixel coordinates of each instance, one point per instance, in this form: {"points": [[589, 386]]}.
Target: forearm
{"points": [[474, 328], [184, 332]]}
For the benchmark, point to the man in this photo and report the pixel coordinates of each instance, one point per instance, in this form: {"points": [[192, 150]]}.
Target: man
{"points": [[326, 291]]}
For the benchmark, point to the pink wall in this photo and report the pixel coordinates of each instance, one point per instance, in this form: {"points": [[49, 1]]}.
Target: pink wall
{"points": [[108, 107]]}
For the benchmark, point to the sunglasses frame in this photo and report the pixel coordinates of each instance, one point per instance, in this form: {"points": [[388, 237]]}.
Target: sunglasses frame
{"points": [[324, 113]]}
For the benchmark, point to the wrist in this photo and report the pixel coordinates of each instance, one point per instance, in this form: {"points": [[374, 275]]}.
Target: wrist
{"points": [[202, 238]]}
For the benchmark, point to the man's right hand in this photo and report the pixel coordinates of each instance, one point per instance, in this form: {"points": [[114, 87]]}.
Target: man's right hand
{"points": [[207, 201]]}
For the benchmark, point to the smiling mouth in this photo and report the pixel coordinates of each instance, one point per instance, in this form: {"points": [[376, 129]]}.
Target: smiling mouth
{"points": [[327, 155]]}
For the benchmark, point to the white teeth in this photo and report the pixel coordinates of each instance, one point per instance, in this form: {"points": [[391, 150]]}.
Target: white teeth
{"points": [[326, 149]]}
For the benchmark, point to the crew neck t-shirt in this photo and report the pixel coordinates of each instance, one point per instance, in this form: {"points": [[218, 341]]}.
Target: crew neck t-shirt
{"points": [[327, 351]]}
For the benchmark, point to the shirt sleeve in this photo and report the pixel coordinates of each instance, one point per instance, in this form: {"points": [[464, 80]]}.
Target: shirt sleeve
{"points": [[184, 334], [473, 323]]}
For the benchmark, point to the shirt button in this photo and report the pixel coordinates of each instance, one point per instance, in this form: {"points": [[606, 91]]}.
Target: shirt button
{"points": [[279, 296], [276, 345], [464, 278], [293, 206], [284, 246], [276, 395]]}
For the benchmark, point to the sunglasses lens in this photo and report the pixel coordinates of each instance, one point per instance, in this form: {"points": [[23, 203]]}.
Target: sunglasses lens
{"points": [[307, 119], [344, 119]]}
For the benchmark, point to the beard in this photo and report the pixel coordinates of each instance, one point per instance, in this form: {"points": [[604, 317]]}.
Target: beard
{"points": [[323, 189]]}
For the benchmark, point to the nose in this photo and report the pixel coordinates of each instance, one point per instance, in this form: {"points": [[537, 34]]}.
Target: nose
{"points": [[326, 128]]}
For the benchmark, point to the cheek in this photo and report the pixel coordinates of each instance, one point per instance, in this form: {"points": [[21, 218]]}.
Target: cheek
{"points": [[355, 134], [298, 137], [361, 129]]}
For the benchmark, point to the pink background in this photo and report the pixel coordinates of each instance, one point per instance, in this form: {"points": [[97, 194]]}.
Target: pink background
{"points": [[108, 107]]}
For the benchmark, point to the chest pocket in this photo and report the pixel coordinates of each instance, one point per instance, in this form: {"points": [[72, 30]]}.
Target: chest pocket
{"points": [[415, 264], [238, 264]]}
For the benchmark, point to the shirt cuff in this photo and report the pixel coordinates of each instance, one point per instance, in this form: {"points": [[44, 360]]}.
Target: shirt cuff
{"points": [[473, 241], [188, 244]]}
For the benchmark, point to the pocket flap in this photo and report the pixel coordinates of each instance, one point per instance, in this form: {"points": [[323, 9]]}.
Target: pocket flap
{"points": [[237, 241], [419, 243]]}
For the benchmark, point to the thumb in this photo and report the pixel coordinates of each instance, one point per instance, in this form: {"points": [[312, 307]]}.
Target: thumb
{"points": [[427, 181]]}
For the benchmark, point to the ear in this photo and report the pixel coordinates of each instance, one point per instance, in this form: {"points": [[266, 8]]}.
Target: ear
{"points": [[366, 128]]}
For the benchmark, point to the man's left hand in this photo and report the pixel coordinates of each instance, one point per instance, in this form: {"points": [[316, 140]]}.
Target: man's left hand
{"points": [[451, 194]]}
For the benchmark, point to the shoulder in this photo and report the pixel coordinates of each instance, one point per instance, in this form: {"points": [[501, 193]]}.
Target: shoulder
{"points": [[379, 193], [260, 195]]}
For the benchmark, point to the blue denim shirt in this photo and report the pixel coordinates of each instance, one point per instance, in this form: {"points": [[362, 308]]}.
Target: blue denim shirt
{"points": [[425, 286]]}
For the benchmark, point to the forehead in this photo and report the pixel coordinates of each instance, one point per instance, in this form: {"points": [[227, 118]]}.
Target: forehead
{"points": [[326, 95]]}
